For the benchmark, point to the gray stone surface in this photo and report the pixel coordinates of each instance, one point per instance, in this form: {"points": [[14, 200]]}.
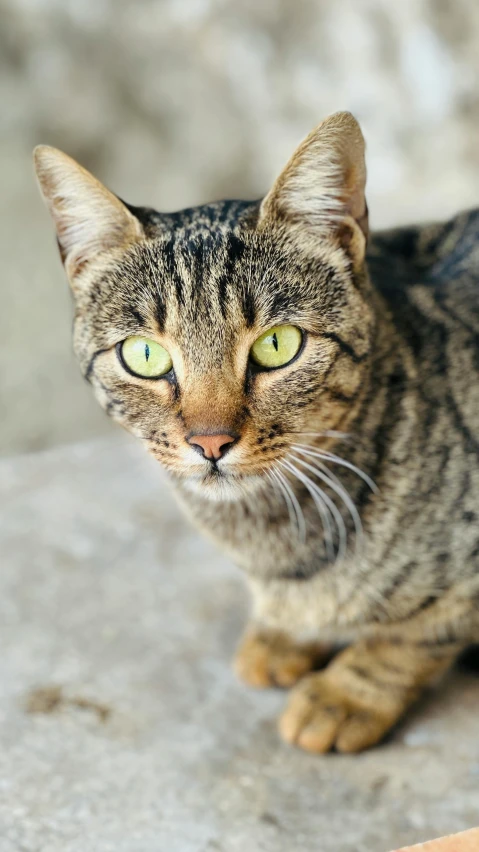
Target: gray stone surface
{"points": [[152, 745], [176, 102]]}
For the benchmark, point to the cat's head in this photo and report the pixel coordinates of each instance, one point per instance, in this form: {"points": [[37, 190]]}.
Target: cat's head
{"points": [[225, 334]]}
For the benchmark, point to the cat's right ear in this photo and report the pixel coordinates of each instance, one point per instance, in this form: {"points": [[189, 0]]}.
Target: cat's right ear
{"points": [[319, 196], [89, 220]]}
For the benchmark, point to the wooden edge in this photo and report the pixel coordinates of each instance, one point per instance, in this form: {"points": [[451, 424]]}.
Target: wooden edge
{"points": [[465, 841]]}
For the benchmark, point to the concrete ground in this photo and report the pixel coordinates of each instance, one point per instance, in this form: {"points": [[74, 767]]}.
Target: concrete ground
{"points": [[122, 726]]}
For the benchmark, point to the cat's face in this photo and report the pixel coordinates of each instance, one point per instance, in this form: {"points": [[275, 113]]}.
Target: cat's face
{"points": [[223, 335]]}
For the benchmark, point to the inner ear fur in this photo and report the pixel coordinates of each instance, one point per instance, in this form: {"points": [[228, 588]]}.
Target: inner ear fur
{"points": [[320, 194], [89, 220]]}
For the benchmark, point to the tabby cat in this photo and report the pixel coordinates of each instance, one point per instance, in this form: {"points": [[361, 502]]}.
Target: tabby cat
{"points": [[316, 406]]}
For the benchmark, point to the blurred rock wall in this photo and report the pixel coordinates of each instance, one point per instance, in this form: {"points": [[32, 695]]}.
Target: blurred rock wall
{"points": [[174, 102]]}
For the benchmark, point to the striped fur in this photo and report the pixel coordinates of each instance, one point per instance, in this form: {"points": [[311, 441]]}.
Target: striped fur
{"points": [[386, 381]]}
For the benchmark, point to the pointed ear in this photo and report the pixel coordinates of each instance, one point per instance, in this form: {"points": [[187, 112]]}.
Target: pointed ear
{"points": [[320, 192], [88, 218]]}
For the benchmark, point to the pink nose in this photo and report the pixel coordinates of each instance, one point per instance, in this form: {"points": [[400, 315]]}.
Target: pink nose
{"points": [[211, 446]]}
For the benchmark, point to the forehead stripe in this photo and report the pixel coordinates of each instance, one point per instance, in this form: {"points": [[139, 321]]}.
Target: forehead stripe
{"points": [[234, 249]]}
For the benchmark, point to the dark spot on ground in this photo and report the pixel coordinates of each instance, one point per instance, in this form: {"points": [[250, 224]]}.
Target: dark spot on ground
{"points": [[51, 699], [270, 819]]}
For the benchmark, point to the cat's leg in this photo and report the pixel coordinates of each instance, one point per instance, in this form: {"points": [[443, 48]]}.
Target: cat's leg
{"points": [[366, 689], [267, 657]]}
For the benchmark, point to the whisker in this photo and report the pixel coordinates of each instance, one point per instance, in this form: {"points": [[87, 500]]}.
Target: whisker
{"points": [[321, 466], [322, 506], [332, 478], [329, 506], [272, 476], [327, 433], [339, 489], [297, 508], [327, 456]]}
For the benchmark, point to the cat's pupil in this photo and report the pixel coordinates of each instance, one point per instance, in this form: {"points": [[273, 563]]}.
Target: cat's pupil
{"points": [[147, 351], [275, 341]]}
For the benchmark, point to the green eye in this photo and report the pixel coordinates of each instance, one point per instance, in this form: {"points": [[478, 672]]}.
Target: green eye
{"points": [[145, 358], [277, 347]]}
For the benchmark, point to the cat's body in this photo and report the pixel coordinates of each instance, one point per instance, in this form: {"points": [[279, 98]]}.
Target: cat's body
{"points": [[383, 393]]}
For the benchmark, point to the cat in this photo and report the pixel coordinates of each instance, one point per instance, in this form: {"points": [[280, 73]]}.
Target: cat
{"points": [[312, 392]]}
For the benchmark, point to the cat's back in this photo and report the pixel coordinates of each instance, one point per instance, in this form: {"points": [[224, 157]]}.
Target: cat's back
{"points": [[429, 276]]}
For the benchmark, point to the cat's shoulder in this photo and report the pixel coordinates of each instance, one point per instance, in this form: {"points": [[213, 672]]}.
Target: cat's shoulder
{"points": [[439, 255]]}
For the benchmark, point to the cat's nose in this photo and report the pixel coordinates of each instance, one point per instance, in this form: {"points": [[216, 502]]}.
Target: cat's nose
{"points": [[212, 447]]}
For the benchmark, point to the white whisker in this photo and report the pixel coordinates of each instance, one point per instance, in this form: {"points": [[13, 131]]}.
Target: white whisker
{"points": [[296, 506], [327, 456], [273, 477], [326, 505], [339, 489], [327, 433]]}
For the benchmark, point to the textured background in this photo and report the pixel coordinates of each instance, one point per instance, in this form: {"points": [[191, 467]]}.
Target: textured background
{"points": [[174, 102]]}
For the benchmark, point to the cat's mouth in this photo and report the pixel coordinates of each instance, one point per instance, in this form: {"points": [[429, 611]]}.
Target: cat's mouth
{"points": [[215, 479], [219, 484]]}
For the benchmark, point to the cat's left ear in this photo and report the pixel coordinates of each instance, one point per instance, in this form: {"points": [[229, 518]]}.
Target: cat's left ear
{"points": [[89, 220], [319, 194]]}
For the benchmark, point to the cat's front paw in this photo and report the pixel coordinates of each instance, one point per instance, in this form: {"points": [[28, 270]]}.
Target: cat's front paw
{"points": [[271, 658], [321, 715]]}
